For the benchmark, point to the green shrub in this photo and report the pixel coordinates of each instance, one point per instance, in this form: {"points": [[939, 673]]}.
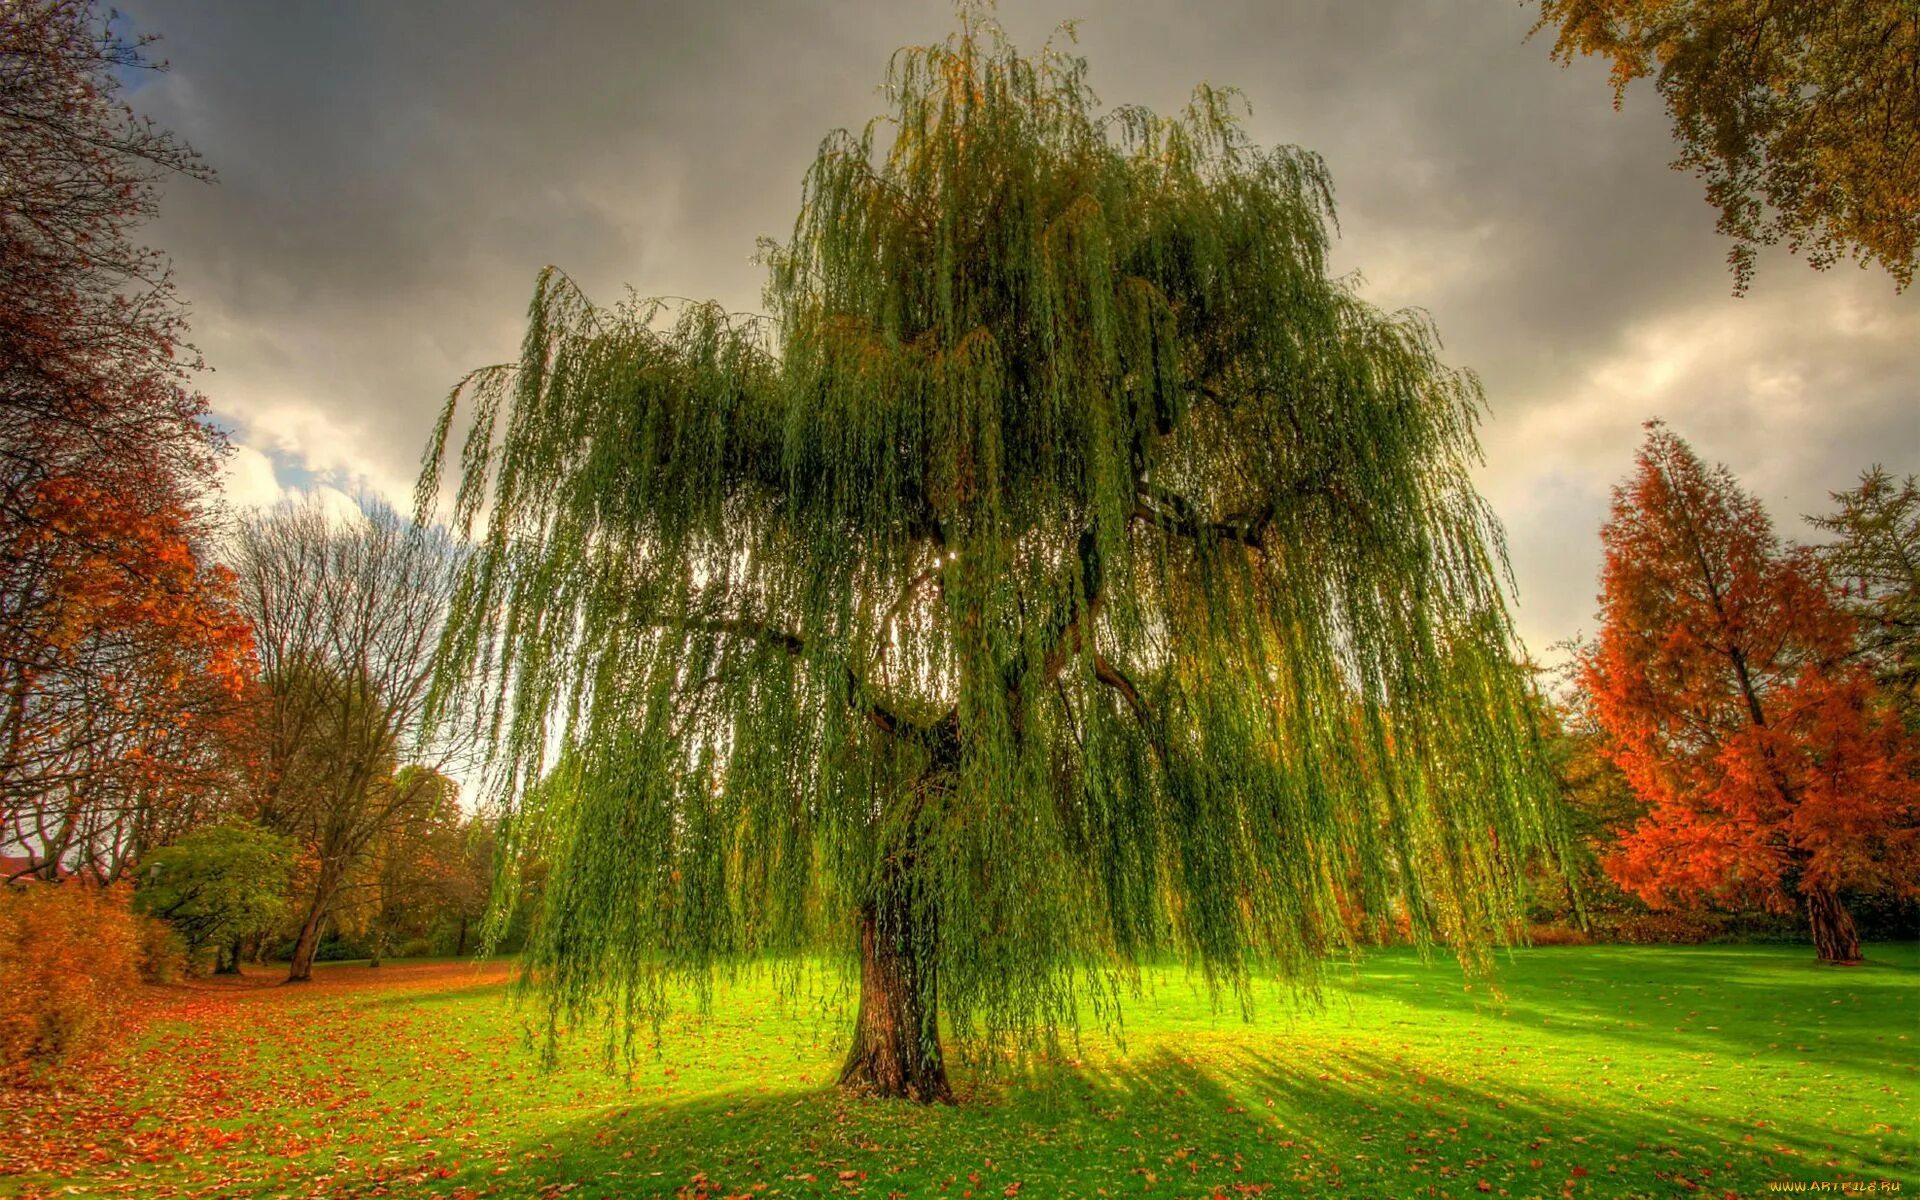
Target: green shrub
{"points": [[217, 885]]}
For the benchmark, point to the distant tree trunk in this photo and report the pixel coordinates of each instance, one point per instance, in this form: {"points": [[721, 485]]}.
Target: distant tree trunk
{"points": [[460, 943], [54, 850], [301, 968], [226, 959], [1834, 937], [379, 947], [325, 887], [896, 1037]]}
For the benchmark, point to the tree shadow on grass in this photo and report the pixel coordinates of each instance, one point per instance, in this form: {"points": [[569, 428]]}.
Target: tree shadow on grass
{"points": [[1242, 1122], [1744, 1002], [439, 996]]}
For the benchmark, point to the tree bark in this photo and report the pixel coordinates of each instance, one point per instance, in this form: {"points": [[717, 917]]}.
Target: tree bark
{"points": [[896, 1038], [300, 970], [54, 850], [1834, 938], [325, 888], [226, 959]]}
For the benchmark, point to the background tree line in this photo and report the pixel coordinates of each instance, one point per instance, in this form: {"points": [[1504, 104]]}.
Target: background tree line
{"points": [[225, 713], [327, 824]]}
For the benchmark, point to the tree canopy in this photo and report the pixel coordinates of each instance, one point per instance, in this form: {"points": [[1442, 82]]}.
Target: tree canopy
{"points": [[1802, 116], [122, 653], [345, 616], [1066, 569], [1875, 558], [218, 885]]}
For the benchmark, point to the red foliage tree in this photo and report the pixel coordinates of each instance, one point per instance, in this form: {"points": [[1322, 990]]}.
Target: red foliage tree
{"points": [[127, 662], [1772, 771], [93, 368], [119, 649]]}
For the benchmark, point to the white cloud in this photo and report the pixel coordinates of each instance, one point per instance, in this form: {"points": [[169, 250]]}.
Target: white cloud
{"points": [[249, 480], [338, 505], [1794, 389]]}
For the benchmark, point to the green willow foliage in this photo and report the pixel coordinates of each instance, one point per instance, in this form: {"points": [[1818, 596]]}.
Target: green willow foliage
{"points": [[1066, 557]]}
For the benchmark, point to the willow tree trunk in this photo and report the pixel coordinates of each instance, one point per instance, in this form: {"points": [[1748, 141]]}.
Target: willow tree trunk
{"points": [[1834, 938], [896, 1036]]}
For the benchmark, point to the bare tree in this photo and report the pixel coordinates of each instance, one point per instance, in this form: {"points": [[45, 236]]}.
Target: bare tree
{"points": [[346, 616]]}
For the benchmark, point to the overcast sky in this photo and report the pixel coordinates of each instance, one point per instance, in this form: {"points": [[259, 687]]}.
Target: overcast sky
{"points": [[393, 176]]}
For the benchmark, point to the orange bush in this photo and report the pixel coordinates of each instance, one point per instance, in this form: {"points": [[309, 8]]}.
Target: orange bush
{"points": [[163, 956], [1557, 934], [1683, 928], [69, 955]]}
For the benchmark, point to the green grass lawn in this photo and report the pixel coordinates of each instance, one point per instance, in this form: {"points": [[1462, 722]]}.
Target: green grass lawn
{"points": [[1599, 1071]]}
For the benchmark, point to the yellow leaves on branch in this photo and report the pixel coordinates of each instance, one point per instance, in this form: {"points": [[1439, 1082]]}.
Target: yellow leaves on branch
{"points": [[1803, 118]]}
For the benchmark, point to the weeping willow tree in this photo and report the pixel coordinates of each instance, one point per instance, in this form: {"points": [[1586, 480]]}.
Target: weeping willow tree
{"points": [[1065, 571]]}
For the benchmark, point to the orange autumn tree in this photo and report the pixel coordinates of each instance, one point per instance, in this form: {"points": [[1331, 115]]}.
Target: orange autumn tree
{"points": [[1772, 772], [122, 654], [125, 662]]}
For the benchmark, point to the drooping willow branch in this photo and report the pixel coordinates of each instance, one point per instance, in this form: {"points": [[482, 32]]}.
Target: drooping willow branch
{"points": [[1068, 562]]}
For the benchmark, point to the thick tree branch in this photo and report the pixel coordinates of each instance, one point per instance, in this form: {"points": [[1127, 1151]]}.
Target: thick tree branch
{"points": [[1106, 672], [1168, 510], [859, 696]]}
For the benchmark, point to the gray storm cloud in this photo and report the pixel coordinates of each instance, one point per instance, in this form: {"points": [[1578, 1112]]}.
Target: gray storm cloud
{"points": [[392, 176]]}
